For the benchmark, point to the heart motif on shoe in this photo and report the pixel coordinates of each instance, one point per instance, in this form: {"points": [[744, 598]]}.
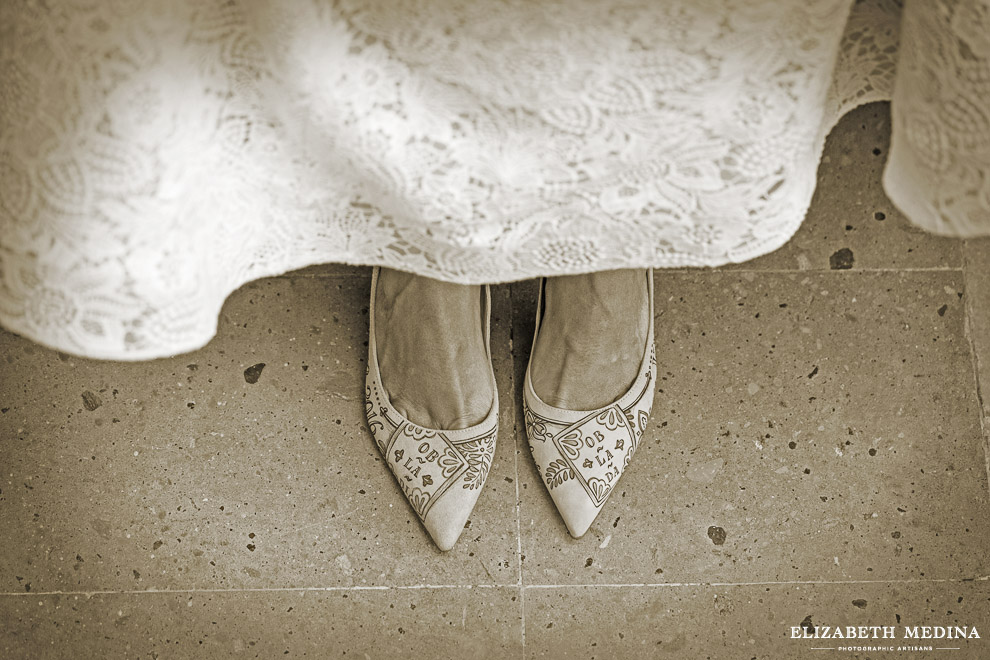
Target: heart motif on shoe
{"points": [[593, 463]]}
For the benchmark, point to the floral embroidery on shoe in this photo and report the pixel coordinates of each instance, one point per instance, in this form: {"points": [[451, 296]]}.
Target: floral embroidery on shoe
{"points": [[558, 472], [479, 453], [536, 427]]}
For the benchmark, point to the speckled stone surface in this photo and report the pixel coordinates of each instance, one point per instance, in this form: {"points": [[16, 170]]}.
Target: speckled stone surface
{"points": [[751, 621], [807, 426], [817, 453], [388, 623], [977, 255], [185, 474]]}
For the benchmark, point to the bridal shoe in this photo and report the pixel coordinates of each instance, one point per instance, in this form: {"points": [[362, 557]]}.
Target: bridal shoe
{"points": [[581, 455], [440, 471]]}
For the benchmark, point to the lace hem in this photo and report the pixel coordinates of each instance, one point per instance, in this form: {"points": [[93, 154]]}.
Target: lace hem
{"points": [[156, 156]]}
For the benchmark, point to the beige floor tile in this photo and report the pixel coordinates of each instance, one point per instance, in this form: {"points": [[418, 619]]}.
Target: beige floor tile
{"points": [[808, 426], [977, 254], [180, 473], [755, 621], [390, 623], [332, 270]]}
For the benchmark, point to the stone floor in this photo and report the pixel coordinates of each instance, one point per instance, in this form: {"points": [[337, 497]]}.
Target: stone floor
{"points": [[816, 454]]}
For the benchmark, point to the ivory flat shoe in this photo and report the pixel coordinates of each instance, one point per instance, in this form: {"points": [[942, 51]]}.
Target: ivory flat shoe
{"points": [[581, 455], [441, 472]]}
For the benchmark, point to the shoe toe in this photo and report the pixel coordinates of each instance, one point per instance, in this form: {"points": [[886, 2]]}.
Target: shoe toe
{"points": [[441, 473], [578, 514], [581, 463], [447, 517]]}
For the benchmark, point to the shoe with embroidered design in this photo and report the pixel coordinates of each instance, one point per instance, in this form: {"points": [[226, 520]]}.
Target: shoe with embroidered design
{"points": [[581, 455], [441, 472]]}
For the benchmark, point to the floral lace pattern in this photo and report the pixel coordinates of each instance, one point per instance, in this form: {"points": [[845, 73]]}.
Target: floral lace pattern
{"points": [[155, 156]]}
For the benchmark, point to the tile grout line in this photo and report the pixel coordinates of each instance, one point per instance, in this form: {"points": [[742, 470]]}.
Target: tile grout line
{"points": [[932, 269], [468, 587], [220, 590], [680, 270], [974, 359], [515, 467], [770, 583], [291, 274]]}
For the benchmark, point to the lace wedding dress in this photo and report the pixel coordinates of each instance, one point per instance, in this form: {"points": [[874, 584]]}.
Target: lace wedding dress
{"points": [[154, 156]]}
